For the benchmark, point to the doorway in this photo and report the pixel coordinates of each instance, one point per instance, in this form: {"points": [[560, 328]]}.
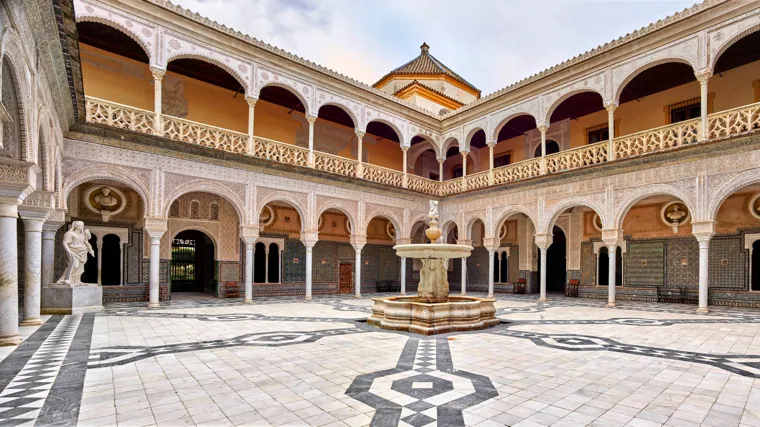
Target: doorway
{"points": [[346, 278], [110, 274], [556, 262], [755, 279], [603, 267], [192, 268]]}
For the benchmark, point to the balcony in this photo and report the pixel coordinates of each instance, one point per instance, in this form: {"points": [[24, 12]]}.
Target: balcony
{"points": [[719, 125]]}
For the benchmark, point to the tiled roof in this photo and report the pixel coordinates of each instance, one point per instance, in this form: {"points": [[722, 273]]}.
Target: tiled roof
{"points": [[427, 64], [436, 91]]}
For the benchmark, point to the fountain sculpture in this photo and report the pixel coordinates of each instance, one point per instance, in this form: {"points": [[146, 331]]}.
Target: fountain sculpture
{"points": [[433, 310]]}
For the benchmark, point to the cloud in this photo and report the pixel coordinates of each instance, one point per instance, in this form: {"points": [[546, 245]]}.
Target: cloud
{"points": [[491, 43]]}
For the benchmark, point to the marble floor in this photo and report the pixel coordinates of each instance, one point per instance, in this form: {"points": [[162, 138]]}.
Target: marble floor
{"points": [[283, 361]]}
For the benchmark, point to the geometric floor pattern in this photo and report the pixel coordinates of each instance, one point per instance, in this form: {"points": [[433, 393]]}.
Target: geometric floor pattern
{"points": [[283, 361]]}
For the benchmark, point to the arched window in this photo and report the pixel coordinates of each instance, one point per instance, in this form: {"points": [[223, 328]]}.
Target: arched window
{"points": [[213, 211], [174, 209], [11, 144], [195, 209], [274, 263], [259, 263]]}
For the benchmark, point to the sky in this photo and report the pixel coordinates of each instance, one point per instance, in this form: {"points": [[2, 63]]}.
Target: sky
{"points": [[490, 43]]}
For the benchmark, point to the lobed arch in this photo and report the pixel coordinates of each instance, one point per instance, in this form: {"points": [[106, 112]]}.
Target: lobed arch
{"points": [[506, 120], [84, 17], [427, 140], [291, 89], [568, 203], [416, 151], [395, 128], [649, 65], [650, 190], [283, 197], [339, 206], [239, 78], [733, 185], [342, 107], [112, 173], [448, 144], [205, 186], [45, 142], [11, 50], [728, 43], [563, 98]]}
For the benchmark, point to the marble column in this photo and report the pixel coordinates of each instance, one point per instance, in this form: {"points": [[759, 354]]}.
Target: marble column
{"points": [[542, 252], [251, 108], [491, 144], [543, 129], [703, 79], [155, 265], [440, 169], [358, 272], [158, 76], [404, 165], [611, 130], [704, 260], [249, 271], [403, 275], [98, 249], [464, 276], [498, 279], [612, 257], [49, 229], [464, 163], [32, 270], [8, 275], [308, 271], [359, 154], [490, 273], [266, 264], [311, 120]]}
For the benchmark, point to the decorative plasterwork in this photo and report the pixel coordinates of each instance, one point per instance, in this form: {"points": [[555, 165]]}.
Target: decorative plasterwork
{"points": [[551, 100], [722, 36], [352, 108], [394, 215], [266, 76], [347, 207], [11, 48], [469, 131], [400, 126], [176, 185], [498, 119]]}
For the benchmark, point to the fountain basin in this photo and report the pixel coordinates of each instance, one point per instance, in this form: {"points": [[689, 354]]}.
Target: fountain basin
{"points": [[410, 314]]}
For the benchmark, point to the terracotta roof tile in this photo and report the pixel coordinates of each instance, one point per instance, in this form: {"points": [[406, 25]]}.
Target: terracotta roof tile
{"points": [[436, 91]]}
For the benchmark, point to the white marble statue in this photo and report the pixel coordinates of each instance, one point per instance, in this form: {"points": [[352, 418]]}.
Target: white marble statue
{"points": [[433, 214], [76, 243]]}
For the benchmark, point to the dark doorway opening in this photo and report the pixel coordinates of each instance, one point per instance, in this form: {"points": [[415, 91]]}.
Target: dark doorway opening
{"points": [[504, 268], [90, 274], [192, 268], [551, 148], [755, 285], [274, 263], [259, 263], [603, 277], [556, 263], [110, 274]]}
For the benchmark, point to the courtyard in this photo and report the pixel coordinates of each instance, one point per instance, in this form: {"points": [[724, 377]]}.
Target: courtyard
{"points": [[284, 361]]}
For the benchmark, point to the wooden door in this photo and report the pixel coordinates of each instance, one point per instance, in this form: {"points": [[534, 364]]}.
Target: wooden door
{"points": [[346, 278]]}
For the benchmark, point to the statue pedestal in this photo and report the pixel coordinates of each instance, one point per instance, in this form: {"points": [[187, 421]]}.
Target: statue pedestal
{"points": [[65, 299]]}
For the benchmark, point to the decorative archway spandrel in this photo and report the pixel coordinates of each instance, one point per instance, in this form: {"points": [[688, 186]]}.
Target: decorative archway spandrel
{"points": [[271, 77], [721, 37], [550, 101], [349, 106]]}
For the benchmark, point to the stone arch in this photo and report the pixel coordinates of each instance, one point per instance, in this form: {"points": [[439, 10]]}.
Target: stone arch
{"points": [[553, 214], [448, 143], [204, 230], [45, 139], [632, 75], [291, 89], [284, 197], [563, 98], [58, 172], [508, 213], [429, 142], [733, 185], [470, 222], [470, 134], [390, 216], [345, 110], [339, 206], [117, 26], [11, 50], [506, 120], [236, 75], [395, 128], [446, 228], [204, 186], [730, 42], [641, 193], [113, 173]]}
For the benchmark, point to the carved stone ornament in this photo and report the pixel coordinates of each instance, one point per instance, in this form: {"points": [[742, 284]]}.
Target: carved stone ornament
{"points": [[674, 214], [76, 244], [754, 206], [105, 200], [267, 216], [597, 222], [390, 230]]}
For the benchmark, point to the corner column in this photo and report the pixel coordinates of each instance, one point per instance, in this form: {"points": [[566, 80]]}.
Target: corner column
{"points": [[543, 241], [703, 79], [32, 269], [359, 157], [155, 227], [158, 77], [703, 231], [311, 120], [251, 109], [249, 270], [543, 129], [440, 169], [611, 238], [49, 229], [358, 241], [8, 275], [611, 130], [464, 170]]}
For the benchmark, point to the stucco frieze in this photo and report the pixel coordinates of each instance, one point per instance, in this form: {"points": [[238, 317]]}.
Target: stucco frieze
{"points": [[723, 35]]}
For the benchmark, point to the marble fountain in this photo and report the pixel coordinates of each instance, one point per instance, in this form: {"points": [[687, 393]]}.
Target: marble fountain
{"points": [[433, 311]]}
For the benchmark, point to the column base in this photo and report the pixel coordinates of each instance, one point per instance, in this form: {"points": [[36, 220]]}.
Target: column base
{"points": [[7, 340], [154, 305], [357, 296], [307, 299], [402, 293], [702, 310], [489, 295], [31, 322], [463, 293], [248, 301], [542, 299], [611, 304]]}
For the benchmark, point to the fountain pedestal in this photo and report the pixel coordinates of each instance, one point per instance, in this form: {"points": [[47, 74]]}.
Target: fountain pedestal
{"points": [[410, 314]]}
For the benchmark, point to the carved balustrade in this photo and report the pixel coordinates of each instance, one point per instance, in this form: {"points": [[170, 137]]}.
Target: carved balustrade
{"points": [[734, 121], [658, 139], [423, 185], [334, 164], [576, 158], [517, 171], [279, 152], [451, 186], [204, 135], [383, 175], [476, 180], [117, 115]]}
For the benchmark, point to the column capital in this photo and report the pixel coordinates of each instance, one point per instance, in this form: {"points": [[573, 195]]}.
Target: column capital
{"points": [[156, 227], [404, 148], [464, 153], [703, 230], [52, 226], [158, 73], [311, 119], [464, 242], [703, 76], [542, 127], [359, 133], [610, 107], [309, 238], [491, 244], [249, 233], [611, 237], [358, 241], [440, 160], [543, 241], [491, 144], [251, 101]]}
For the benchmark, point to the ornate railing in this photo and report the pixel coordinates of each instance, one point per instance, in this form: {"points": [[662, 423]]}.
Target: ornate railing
{"points": [[383, 175], [423, 185], [118, 115], [204, 135], [658, 139], [734, 121], [576, 158], [334, 164], [476, 180], [451, 186], [279, 152], [517, 171]]}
